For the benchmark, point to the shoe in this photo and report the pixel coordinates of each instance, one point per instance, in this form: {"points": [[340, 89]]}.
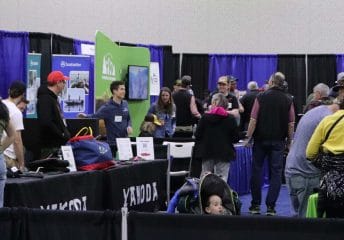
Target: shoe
{"points": [[270, 211], [254, 209]]}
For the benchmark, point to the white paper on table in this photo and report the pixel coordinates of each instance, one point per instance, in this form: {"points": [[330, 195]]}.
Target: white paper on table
{"points": [[67, 154], [124, 148], [145, 148]]}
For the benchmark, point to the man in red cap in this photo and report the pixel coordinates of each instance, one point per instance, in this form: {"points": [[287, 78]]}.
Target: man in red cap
{"points": [[53, 128]]}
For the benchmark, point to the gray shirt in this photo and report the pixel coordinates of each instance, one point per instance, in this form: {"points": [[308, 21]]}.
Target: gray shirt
{"points": [[296, 163]]}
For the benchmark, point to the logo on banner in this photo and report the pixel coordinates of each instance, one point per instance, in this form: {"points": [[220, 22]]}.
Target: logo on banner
{"points": [[140, 194], [33, 63], [108, 71], [68, 64], [76, 204]]}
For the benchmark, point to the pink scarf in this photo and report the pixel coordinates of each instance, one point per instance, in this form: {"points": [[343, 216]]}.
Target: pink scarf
{"points": [[218, 111]]}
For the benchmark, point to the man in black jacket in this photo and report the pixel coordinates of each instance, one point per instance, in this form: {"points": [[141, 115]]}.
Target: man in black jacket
{"points": [[272, 122], [53, 129]]}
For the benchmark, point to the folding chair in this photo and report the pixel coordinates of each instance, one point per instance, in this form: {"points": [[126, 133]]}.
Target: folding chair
{"points": [[179, 155]]}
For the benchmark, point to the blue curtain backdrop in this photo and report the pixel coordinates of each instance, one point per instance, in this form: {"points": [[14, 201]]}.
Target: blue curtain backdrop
{"points": [[244, 67], [340, 63], [13, 54], [156, 55], [77, 51]]}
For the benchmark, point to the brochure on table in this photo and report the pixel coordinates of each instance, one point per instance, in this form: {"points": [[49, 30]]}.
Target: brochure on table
{"points": [[145, 148], [124, 149]]}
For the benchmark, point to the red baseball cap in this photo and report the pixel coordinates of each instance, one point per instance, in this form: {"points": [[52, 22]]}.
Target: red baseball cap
{"points": [[56, 76]]}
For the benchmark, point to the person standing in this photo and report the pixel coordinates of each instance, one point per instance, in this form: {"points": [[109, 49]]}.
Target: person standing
{"points": [[247, 102], [302, 177], [165, 110], [115, 114], [5, 126], [53, 127], [186, 110], [233, 103], [14, 154], [215, 134], [272, 122]]}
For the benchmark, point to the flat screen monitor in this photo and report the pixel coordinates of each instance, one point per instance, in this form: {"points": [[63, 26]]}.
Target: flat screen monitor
{"points": [[138, 77]]}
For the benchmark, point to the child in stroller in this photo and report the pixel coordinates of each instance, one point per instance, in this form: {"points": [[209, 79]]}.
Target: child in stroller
{"points": [[194, 195]]}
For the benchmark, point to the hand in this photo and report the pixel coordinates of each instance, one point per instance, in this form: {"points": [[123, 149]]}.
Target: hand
{"points": [[129, 130], [81, 115], [162, 122], [248, 142]]}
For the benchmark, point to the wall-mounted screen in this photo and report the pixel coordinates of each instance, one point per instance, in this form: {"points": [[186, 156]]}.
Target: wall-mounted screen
{"points": [[138, 77]]}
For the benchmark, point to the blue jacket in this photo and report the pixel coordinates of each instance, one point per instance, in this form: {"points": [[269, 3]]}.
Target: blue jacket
{"points": [[168, 128], [116, 117]]}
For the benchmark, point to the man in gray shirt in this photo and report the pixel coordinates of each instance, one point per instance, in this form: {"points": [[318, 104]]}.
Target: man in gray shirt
{"points": [[301, 175]]}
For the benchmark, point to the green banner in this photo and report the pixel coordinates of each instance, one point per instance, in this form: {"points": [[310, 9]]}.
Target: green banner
{"points": [[33, 82], [111, 64]]}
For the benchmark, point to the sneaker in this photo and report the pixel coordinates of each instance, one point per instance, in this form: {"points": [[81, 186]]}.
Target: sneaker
{"points": [[254, 209], [270, 211]]}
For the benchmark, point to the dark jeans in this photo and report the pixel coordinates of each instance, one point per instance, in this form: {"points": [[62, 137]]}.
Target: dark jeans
{"points": [[273, 152]]}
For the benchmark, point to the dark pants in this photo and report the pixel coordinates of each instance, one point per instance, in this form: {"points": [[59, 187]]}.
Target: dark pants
{"points": [[273, 152]]}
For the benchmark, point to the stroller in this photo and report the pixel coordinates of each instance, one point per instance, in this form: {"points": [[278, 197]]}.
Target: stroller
{"points": [[193, 195]]}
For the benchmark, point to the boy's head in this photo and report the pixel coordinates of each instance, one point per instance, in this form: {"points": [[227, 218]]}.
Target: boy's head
{"points": [[214, 205]]}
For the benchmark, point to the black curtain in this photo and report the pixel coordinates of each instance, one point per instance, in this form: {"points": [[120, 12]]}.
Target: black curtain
{"points": [[41, 43], [197, 66], [171, 67], [62, 45], [321, 69], [294, 68]]}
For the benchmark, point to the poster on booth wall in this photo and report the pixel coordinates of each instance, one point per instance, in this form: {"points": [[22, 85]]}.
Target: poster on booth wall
{"points": [[75, 97], [33, 83], [154, 79]]}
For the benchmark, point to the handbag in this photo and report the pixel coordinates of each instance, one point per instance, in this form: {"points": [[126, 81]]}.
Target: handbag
{"points": [[89, 153], [321, 160], [332, 184]]}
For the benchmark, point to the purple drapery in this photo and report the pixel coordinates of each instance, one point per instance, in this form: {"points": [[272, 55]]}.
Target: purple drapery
{"points": [[13, 56], [156, 55], [340, 63], [244, 67], [77, 51]]}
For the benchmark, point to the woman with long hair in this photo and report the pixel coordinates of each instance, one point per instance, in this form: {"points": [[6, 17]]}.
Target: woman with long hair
{"points": [[6, 141], [165, 110]]}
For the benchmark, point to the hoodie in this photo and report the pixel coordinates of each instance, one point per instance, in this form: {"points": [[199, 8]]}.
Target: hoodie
{"points": [[216, 133], [53, 131]]}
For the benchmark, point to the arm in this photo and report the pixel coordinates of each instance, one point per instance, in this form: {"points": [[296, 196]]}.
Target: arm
{"points": [[7, 140], [315, 142], [291, 124], [18, 148], [193, 107]]}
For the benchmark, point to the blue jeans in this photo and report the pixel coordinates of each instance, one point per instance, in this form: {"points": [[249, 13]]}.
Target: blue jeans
{"points": [[300, 188], [2, 179], [273, 151]]}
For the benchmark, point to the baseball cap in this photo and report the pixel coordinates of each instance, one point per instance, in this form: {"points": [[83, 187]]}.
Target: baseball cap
{"points": [[340, 76], [56, 76], [223, 79], [232, 78], [152, 118]]}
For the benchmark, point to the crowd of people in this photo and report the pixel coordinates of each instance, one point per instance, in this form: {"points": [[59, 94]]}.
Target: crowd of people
{"points": [[263, 117]]}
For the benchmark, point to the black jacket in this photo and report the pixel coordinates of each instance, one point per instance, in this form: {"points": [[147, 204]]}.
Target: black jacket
{"points": [[53, 132], [215, 135]]}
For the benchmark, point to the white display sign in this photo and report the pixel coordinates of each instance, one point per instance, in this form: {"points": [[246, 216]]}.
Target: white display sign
{"points": [[145, 148], [154, 79], [67, 154], [124, 149]]}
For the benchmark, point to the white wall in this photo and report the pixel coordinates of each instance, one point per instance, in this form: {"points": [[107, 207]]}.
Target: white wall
{"points": [[190, 26]]}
